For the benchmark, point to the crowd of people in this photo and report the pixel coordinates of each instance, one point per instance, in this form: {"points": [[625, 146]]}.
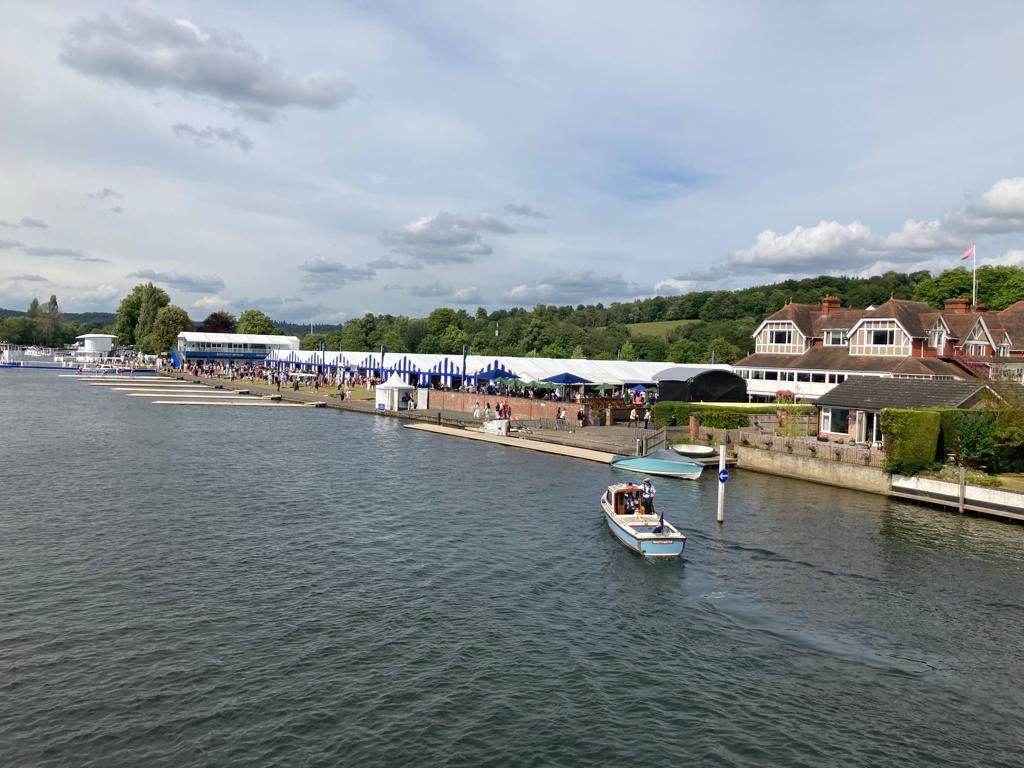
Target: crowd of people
{"points": [[343, 383]]}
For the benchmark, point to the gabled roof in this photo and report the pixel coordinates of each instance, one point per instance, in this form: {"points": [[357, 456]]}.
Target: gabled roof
{"points": [[873, 394], [907, 313], [812, 322]]}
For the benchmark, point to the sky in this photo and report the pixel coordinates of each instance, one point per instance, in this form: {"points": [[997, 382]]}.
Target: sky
{"points": [[321, 160]]}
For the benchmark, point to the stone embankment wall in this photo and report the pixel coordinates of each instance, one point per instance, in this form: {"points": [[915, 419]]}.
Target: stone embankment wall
{"points": [[857, 478]]}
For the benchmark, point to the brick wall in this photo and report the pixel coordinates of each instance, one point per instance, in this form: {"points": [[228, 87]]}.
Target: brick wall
{"points": [[522, 407]]}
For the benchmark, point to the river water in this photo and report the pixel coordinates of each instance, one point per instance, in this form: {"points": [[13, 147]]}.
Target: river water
{"points": [[241, 587]]}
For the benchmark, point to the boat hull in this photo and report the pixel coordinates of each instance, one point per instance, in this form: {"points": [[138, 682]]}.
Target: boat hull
{"points": [[660, 468], [647, 547], [694, 451]]}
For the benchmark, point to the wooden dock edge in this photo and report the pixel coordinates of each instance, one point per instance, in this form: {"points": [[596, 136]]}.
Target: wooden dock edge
{"points": [[515, 442]]}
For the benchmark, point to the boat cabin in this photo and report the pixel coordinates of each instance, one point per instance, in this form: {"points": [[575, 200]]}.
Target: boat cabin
{"points": [[625, 499]]}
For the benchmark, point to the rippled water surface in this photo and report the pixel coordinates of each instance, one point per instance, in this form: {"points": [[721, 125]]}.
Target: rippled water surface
{"points": [[241, 587]]}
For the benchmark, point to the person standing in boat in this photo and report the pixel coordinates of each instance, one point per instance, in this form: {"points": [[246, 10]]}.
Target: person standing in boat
{"points": [[647, 494]]}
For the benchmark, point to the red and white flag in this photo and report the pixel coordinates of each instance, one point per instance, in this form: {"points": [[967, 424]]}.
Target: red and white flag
{"points": [[968, 253]]}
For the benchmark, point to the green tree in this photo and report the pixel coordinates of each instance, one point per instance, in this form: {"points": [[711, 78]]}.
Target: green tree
{"points": [[127, 321], [220, 321], [49, 320], [577, 352], [441, 319], [34, 310], [17, 330], [686, 351], [151, 304], [627, 351], [170, 321], [452, 339], [724, 352], [312, 341], [255, 322]]}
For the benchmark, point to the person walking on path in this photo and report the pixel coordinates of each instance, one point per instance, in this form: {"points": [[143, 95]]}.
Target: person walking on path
{"points": [[633, 418], [647, 419]]}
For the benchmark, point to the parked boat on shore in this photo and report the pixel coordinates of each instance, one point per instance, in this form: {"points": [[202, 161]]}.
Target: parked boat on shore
{"points": [[663, 463], [694, 451], [647, 535]]}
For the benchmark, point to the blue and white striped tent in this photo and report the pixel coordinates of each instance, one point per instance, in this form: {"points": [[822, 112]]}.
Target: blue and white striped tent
{"points": [[423, 369]]}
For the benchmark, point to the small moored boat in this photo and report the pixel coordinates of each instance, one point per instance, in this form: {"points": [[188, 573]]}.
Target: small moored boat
{"points": [[696, 451], [647, 535], [663, 463]]}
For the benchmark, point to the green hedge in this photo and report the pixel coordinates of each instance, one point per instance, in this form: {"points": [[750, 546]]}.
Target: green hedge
{"points": [[911, 439], [719, 417]]}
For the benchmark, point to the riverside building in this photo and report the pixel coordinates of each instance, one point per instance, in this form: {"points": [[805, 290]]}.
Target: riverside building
{"points": [[230, 347], [807, 349]]}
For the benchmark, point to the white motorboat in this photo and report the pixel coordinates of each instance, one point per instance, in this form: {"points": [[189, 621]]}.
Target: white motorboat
{"points": [[694, 451], [647, 535]]}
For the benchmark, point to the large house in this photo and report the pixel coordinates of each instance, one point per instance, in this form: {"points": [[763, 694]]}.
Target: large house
{"points": [[807, 349]]}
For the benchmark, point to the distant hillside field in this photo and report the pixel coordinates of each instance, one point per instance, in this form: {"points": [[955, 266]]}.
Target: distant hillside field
{"points": [[660, 328]]}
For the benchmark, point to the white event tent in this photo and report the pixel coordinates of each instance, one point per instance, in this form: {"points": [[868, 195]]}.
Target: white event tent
{"points": [[425, 369]]}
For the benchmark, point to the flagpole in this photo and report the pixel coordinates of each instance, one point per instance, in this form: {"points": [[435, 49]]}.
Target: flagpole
{"points": [[974, 278]]}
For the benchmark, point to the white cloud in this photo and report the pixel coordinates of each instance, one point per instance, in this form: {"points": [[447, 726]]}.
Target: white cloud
{"points": [[999, 210], [828, 243], [183, 282], [446, 237], [210, 303], [51, 251], [153, 53], [104, 193], [324, 274], [96, 294], [574, 287], [523, 209], [211, 136], [469, 295], [830, 246], [922, 237], [674, 286]]}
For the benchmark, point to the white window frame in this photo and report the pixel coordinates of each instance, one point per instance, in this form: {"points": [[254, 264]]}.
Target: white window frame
{"points": [[831, 337]]}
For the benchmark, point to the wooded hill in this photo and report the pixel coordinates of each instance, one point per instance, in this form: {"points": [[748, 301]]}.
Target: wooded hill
{"points": [[686, 329]]}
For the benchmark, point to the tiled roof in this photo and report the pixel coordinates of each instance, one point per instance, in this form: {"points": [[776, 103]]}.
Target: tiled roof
{"points": [[874, 394], [1012, 320], [917, 317], [906, 313], [840, 359]]}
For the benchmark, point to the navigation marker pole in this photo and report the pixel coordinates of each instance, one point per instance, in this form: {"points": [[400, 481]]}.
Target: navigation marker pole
{"points": [[723, 477]]}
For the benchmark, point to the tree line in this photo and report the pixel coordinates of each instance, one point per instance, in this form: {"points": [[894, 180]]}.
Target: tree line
{"points": [[147, 320], [711, 324], [700, 325]]}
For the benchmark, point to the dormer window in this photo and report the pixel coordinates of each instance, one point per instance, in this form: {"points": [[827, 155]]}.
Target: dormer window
{"points": [[885, 337], [779, 337], [835, 338], [936, 339]]}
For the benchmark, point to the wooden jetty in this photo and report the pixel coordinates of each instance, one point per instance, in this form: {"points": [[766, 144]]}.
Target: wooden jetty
{"points": [[517, 442], [252, 403]]}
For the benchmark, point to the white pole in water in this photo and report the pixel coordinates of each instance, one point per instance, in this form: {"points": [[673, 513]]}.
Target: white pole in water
{"points": [[721, 485]]}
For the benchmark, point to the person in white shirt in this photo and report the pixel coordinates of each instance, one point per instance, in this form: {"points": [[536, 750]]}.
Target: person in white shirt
{"points": [[647, 493]]}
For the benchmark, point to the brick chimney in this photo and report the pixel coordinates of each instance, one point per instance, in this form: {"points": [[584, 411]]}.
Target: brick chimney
{"points": [[981, 307], [829, 304], [957, 306]]}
